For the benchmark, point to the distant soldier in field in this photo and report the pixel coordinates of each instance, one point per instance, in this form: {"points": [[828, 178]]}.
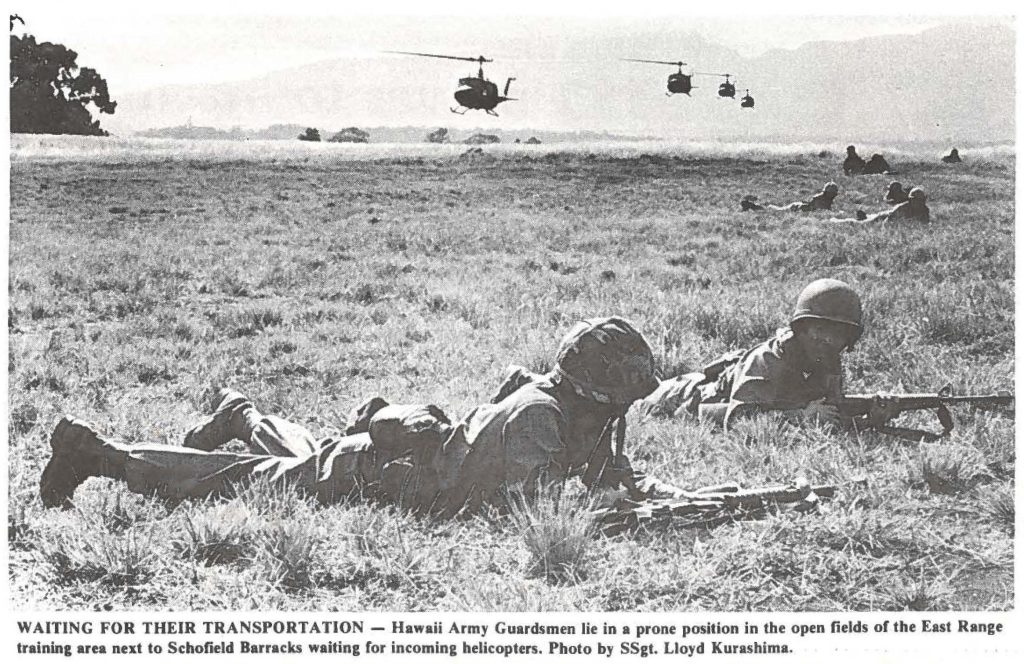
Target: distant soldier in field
{"points": [[952, 158], [896, 194], [820, 201], [915, 208], [545, 429], [877, 165], [853, 164], [797, 372]]}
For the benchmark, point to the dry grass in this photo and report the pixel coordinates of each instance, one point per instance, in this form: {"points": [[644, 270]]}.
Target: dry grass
{"points": [[143, 279]]}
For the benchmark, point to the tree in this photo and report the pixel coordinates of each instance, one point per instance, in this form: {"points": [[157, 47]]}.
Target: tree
{"points": [[351, 135], [50, 93], [438, 136], [311, 134]]}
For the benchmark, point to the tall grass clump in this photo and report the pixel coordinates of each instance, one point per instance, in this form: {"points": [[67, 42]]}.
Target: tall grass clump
{"points": [[97, 555], [290, 551], [949, 469], [219, 534], [558, 531], [922, 594], [998, 504]]}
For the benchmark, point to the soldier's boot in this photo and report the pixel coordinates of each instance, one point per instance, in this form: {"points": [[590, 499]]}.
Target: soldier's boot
{"points": [[234, 416], [78, 454]]}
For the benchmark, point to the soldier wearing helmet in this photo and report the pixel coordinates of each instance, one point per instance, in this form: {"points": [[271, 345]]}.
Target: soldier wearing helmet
{"points": [[876, 165], [820, 201], [895, 193], [853, 164], [798, 371], [554, 425], [915, 208], [952, 158]]}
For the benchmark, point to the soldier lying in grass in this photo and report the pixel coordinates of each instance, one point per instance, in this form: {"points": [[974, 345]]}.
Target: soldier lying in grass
{"points": [[820, 201], [551, 428], [915, 208], [795, 372], [896, 194]]}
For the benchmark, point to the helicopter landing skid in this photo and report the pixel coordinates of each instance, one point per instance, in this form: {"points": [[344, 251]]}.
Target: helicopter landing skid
{"points": [[456, 110], [491, 112]]}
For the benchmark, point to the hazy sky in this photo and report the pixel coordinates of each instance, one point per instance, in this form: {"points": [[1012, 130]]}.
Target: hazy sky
{"points": [[137, 48]]}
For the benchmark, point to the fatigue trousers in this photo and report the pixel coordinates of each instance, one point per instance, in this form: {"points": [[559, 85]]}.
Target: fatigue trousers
{"points": [[280, 452]]}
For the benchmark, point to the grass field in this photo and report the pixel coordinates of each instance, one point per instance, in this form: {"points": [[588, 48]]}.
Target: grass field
{"points": [[141, 279]]}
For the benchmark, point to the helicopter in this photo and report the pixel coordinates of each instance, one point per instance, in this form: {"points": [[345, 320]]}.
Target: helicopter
{"points": [[475, 92], [747, 101], [726, 89], [678, 83]]}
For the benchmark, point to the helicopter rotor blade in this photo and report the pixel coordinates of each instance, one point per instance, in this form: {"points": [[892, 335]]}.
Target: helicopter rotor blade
{"points": [[656, 62], [479, 58], [706, 73]]}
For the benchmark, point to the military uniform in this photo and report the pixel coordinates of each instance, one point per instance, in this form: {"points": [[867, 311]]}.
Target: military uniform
{"points": [[896, 194], [820, 201], [541, 429], [773, 375], [915, 208], [853, 164]]}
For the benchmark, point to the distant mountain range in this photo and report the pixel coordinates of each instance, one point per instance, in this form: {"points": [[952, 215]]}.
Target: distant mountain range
{"points": [[949, 84]]}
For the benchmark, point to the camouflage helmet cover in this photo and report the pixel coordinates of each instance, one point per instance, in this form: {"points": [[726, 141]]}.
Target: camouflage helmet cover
{"points": [[895, 185], [829, 299], [918, 192], [606, 360], [831, 187]]}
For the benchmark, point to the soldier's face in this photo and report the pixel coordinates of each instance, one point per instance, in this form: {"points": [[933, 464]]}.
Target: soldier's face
{"points": [[823, 340]]}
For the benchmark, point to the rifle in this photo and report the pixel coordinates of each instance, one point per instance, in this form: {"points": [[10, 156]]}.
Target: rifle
{"points": [[878, 409], [708, 507]]}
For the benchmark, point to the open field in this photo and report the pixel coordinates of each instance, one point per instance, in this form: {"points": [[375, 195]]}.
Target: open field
{"points": [[140, 282]]}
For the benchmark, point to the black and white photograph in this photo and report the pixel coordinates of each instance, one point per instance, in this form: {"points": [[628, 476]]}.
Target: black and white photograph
{"points": [[488, 312]]}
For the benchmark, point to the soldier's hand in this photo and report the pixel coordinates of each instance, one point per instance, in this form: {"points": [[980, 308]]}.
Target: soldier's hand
{"points": [[822, 413]]}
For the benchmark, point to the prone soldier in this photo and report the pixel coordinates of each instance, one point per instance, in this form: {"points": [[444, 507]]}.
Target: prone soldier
{"points": [[952, 158], [820, 201], [555, 426], [915, 208], [896, 194], [797, 372]]}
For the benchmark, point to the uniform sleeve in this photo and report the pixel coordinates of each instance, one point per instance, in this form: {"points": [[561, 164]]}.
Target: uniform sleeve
{"points": [[534, 444], [515, 377], [766, 380]]}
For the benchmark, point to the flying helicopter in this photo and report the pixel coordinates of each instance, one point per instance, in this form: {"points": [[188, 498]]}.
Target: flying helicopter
{"points": [[475, 92], [726, 89], [747, 101], [678, 83]]}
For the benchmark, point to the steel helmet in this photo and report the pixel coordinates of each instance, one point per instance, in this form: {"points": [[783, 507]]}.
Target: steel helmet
{"points": [[918, 192], [895, 186], [829, 299], [606, 360], [831, 188]]}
